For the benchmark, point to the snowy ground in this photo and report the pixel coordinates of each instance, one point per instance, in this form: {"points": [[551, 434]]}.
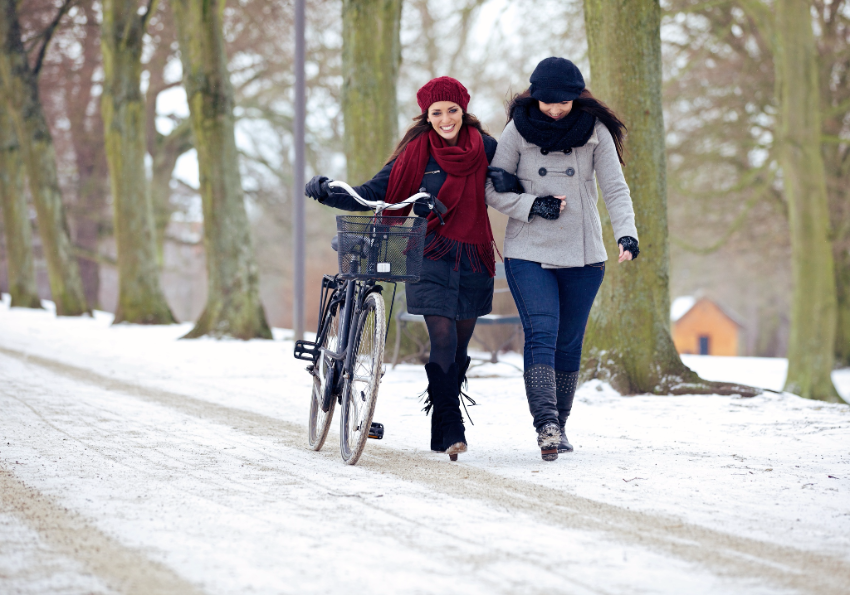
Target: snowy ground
{"points": [[131, 462]]}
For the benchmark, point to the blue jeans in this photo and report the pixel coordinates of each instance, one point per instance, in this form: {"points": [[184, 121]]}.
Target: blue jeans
{"points": [[554, 305]]}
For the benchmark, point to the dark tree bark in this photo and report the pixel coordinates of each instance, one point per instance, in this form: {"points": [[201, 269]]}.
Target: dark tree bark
{"points": [[16, 221], [20, 89], [233, 303], [628, 339], [140, 298]]}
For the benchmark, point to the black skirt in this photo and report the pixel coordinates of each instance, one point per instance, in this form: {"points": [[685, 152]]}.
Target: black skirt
{"points": [[443, 291]]}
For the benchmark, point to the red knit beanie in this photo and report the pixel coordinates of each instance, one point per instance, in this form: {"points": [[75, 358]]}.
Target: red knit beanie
{"points": [[443, 88]]}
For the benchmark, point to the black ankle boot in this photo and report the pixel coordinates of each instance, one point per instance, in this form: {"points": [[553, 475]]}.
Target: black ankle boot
{"points": [[543, 404], [445, 397], [565, 388]]}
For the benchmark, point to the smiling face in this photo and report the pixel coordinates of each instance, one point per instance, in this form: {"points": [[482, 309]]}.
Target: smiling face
{"points": [[447, 118], [556, 111]]}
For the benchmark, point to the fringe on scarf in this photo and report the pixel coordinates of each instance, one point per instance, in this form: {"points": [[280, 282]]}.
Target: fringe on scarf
{"points": [[481, 256]]}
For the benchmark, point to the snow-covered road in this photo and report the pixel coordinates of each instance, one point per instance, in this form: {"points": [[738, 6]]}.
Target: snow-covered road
{"points": [[132, 462]]}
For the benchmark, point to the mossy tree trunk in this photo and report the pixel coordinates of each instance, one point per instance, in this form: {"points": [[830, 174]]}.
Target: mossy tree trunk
{"points": [[20, 91], [371, 55], [628, 340], [16, 221], [811, 348], [140, 297], [233, 304]]}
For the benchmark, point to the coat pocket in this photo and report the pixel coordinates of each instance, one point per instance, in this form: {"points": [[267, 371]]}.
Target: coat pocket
{"points": [[515, 226], [593, 200]]}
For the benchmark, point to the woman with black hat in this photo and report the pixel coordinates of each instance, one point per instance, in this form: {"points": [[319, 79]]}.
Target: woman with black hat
{"points": [[446, 151], [560, 142]]}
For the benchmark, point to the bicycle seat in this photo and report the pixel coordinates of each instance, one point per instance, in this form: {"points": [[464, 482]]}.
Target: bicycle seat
{"points": [[335, 243]]}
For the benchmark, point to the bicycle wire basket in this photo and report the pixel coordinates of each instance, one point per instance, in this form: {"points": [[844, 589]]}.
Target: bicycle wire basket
{"points": [[380, 247]]}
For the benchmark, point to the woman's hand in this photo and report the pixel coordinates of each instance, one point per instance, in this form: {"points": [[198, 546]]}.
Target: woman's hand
{"points": [[503, 181], [313, 189], [628, 248], [548, 207]]}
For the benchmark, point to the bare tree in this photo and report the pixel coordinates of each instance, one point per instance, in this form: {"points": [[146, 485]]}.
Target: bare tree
{"points": [[233, 304], [15, 218], [628, 336], [813, 313], [20, 85], [140, 298]]}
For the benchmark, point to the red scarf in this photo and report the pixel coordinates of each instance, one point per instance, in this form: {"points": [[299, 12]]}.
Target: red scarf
{"points": [[467, 225]]}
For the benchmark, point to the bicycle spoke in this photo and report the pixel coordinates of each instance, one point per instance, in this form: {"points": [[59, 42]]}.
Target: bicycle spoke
{"points": [[362, 384]]}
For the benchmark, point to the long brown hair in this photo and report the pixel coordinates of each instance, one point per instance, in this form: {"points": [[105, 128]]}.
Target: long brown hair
{"points": [[586, 102], [421, 125]]}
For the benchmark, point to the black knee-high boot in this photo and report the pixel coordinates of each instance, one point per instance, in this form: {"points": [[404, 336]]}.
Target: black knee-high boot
{"points": [[565, 385], [445, 394], [436, 421], [543, 404]]}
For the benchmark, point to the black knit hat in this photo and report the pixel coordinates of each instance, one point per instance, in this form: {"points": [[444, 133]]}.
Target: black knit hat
{"points": [[555, 80]]}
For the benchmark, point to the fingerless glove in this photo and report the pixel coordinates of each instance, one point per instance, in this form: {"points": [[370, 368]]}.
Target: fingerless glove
{"points": [[629, 244], [547, 207]]}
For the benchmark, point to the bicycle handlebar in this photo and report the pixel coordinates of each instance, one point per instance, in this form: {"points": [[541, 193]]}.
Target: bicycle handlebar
{"points": [[380, 205]]}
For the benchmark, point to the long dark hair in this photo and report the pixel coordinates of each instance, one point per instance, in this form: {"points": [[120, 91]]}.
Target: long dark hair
{"points": [[421, 125], [586, 102]]}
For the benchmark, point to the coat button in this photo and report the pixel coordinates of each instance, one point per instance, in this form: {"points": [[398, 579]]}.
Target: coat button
{"points": [[567, 151], [544, 151], [571, 172], [542, 171]]}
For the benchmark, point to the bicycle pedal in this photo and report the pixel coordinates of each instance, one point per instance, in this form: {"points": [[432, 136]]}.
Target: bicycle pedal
{"points": [[306, 350], [376, 431]]}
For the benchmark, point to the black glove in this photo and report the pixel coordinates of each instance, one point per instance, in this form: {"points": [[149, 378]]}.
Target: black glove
{"points": [[547, 207], [503, 181], [421, 208], [313, 189], [629, 244]]}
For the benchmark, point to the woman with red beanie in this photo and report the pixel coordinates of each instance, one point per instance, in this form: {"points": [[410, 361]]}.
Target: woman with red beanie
{"points": [[446, 151]]}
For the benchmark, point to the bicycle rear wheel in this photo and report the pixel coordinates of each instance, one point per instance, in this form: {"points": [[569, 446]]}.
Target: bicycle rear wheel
{"points": [[324, 378], [361, 387]]}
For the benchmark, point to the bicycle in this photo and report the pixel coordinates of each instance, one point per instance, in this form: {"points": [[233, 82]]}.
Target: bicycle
{"points": [[347, 355]]}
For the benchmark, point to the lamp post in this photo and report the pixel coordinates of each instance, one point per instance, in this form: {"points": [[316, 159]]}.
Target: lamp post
{"points": [[298, 176]]}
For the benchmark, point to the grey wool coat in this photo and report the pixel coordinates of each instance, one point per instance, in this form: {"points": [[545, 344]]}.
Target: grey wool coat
{"points": [[575, 238]]}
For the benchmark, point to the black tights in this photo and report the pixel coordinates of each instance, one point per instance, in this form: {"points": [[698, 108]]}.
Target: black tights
{"points": [[449, 339]]}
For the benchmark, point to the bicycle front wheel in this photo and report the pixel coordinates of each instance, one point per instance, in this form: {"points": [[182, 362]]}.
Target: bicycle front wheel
{"points": [[361, 387], [324, 378]]}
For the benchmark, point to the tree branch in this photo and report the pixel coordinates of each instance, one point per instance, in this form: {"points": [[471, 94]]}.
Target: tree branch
{"points": [[149, 12], [48, 34]]}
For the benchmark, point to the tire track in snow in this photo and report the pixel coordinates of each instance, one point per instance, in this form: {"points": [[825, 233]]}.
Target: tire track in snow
{"points": [[122, 568], [725, 554]]}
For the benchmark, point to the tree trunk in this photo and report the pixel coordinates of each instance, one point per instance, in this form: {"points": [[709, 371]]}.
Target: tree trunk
{"points": [[628, 340], [167, 149], [140, 298], [371, 54], [22, 285], [842, 334], [233, 303], [811, 349], [20, 87], [80, 90]]}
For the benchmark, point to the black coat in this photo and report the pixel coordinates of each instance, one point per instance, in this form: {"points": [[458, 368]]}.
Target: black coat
{"points": [[376, 188]]}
